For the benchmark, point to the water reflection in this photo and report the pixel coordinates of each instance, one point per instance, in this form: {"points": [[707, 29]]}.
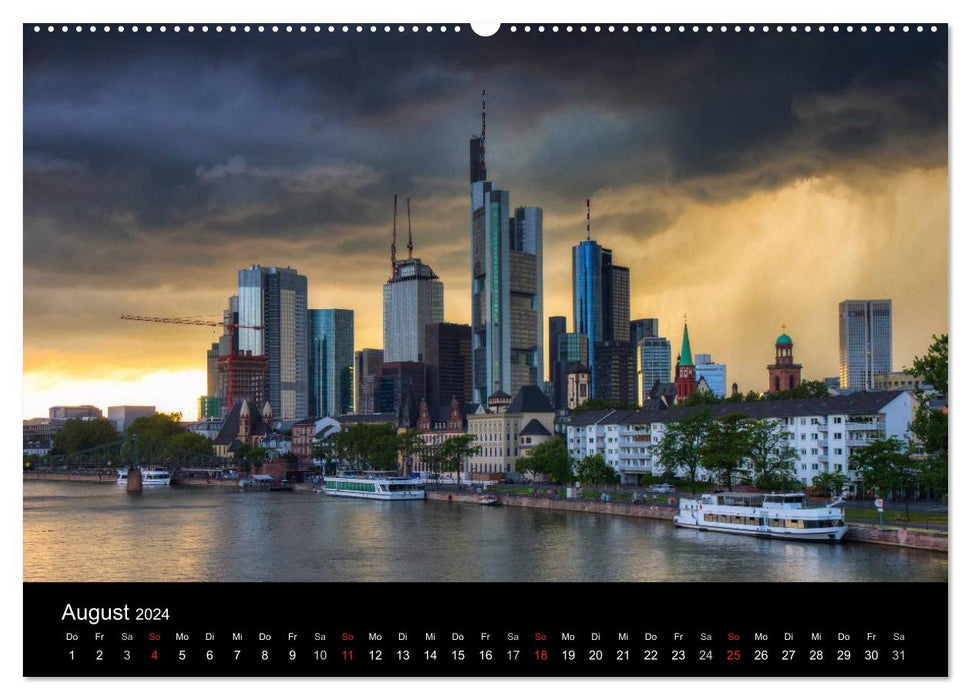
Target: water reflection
{"points": [[96, 532]]}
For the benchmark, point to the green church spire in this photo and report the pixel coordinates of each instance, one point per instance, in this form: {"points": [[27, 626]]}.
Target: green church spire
{"points": [[685, 357]]}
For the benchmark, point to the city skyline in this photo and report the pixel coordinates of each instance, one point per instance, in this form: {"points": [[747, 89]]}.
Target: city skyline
{"points": [[832, 182]]}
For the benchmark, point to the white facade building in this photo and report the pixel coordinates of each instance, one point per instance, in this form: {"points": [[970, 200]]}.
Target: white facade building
{"points": [[823, 432], [413, 298]]}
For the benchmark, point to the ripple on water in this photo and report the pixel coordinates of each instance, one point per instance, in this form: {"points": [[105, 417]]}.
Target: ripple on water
{"points": [[92, 532]]}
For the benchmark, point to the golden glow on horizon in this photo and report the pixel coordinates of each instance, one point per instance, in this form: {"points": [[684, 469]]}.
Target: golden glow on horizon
{"points": [[735, 267]]}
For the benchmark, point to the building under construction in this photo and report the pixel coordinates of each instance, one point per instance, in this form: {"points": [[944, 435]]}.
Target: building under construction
{"points": [[242, 375]]}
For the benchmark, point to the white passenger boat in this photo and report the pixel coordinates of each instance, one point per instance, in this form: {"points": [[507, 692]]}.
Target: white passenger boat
{"points": [[150, 477], [386, 488], [777, 515]]}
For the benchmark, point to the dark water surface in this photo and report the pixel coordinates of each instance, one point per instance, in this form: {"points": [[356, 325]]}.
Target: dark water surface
{"points": [[76, 531]]}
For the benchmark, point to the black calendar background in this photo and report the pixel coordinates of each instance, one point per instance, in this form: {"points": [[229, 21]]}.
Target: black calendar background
{"points": [[489, 629]]}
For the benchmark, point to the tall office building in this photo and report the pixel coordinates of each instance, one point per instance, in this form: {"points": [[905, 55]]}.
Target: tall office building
{"points": [[572, 351], [331, 354], [616, 300], [556, 325], [276, 299], [367, 374], [212, 370], [401, 387], [712, 372], [413, 297], [641, 328], [448, 364], [653, 365], [507, 285], [614, 371], [866, 341], [601, 302]]}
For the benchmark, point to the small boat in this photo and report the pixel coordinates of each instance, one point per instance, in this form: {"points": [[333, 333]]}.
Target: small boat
{"points": [[488, 501], [774, 515], [150, 477], [377, 488]]}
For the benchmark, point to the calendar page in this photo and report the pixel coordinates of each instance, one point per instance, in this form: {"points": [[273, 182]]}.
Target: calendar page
{"points": [[421, 350]]}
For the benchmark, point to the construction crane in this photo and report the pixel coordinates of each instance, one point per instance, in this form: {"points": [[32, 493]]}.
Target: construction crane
{"points": [[243, 375], [186, 321]]}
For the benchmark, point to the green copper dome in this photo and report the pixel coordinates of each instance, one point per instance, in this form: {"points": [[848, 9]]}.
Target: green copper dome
{"points": [[783, 339]]}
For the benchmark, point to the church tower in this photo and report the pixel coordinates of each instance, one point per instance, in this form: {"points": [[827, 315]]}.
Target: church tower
{"points": [[684, 378], [784, 374]]}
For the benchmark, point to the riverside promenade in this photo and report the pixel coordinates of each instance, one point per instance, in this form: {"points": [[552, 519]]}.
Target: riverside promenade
{"points": [[913, 538]]}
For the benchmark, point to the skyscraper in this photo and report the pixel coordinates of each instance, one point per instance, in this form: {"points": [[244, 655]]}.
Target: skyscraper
{"points": [[507, 285], [331, 354], [367, 374], [866, 341], [556, 325], [653, 365], [448, 364], [613, 368], [641, 328], [276, 299], [601, 305], [413, 298]]}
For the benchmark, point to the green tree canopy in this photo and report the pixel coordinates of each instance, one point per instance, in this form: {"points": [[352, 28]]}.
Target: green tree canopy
{"points": [[160, 428], [79, 434], [594, 470], [551, 458], [932, 367], [192, 442], [679, 448], [727, 444], [450, 454], [833, 483], [884, 466], [602, 405], [807, 389], [367, 446], [770, 457]]}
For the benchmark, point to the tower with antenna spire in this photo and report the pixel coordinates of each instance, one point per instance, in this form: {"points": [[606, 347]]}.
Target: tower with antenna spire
{"points": [[394, 236], [413, 298], [601, 311], [507, 284]]}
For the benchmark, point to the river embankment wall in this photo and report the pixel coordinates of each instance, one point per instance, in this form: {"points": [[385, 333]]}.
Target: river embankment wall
{"points": [[893, 536]]}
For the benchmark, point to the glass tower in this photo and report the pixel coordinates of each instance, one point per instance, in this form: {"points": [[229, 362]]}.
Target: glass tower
{"points": [[653, 365], [507, 287], [331, 353], [601, 306], [276, 299], [413, 298], [866, 341]]}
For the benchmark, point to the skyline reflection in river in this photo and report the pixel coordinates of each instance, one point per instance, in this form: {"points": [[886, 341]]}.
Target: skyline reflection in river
{"points": [[76, 531]]}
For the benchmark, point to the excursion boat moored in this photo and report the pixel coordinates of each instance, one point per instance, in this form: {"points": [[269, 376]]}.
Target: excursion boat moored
{"points": [[150, 477], [776, 515], [379, 488]]}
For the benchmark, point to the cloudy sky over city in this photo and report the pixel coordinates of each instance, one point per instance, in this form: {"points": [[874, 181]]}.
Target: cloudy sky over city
{"points": [[746, 180]]}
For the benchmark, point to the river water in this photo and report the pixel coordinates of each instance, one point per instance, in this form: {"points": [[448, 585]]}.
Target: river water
{"points": [[77, 531]]}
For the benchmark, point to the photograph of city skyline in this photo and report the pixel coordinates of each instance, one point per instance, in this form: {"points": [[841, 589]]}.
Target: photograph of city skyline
{"points": [[275, 274]]}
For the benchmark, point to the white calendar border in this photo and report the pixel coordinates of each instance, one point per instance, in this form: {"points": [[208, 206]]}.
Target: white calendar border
{"points": [[701, 11]]}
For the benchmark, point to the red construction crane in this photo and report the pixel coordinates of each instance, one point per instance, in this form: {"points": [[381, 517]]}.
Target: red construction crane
{"points": [[243, 375]]}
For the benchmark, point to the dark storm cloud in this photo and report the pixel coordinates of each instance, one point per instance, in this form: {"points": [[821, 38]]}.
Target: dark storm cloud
{"points": [[145, 155]]}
